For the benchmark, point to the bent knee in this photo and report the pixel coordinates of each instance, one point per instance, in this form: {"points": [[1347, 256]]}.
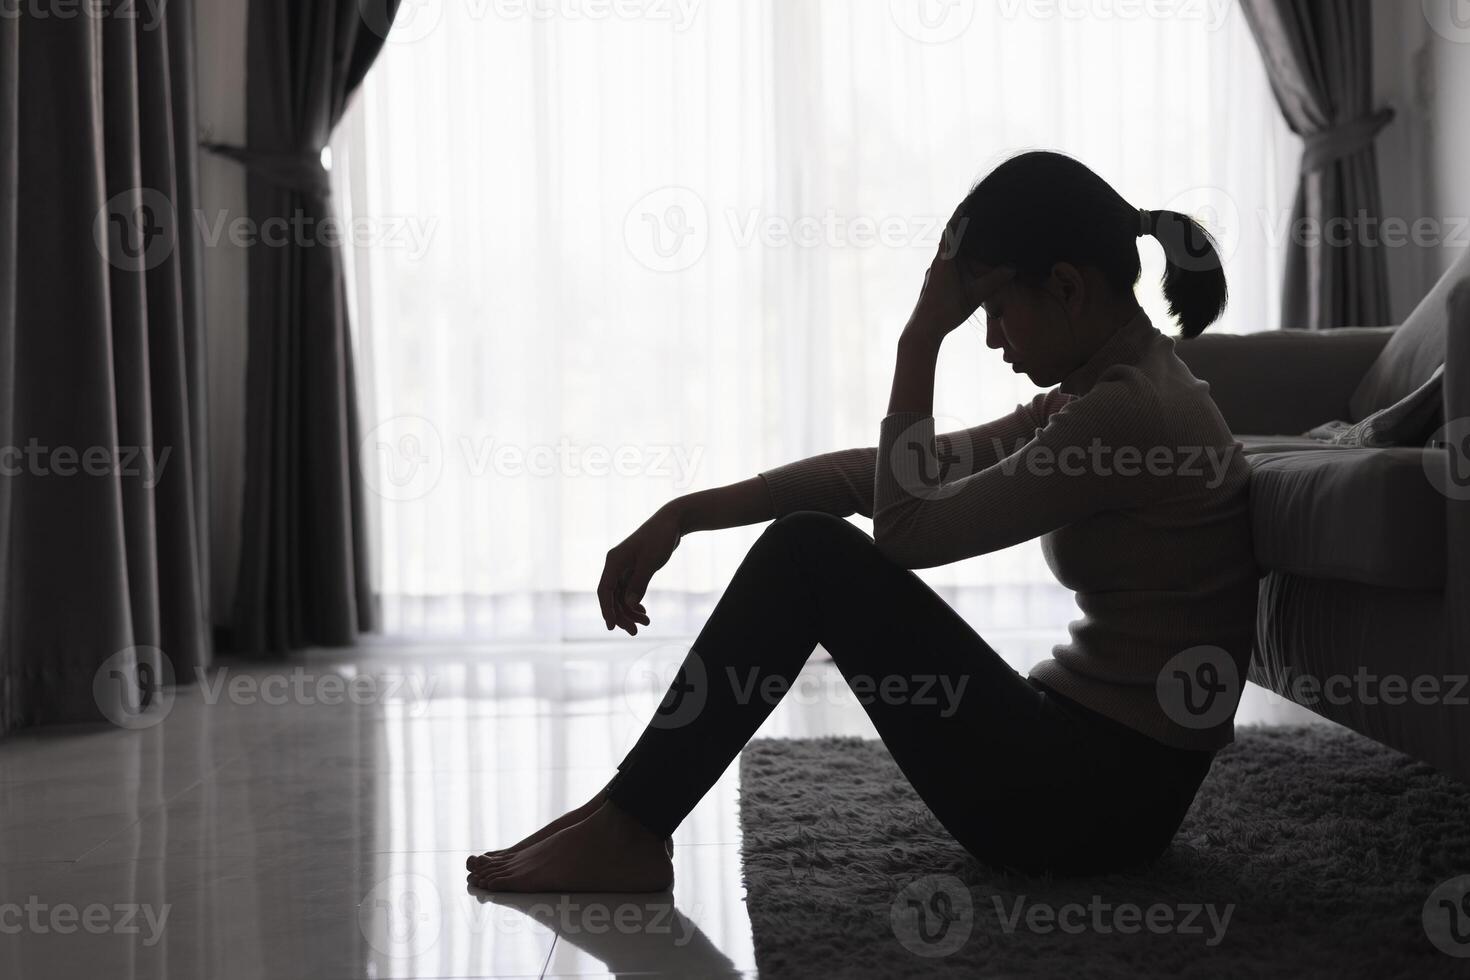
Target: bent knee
{"points": [[816, 528]]}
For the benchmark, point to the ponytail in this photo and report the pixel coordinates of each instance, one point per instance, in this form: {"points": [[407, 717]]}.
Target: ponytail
{"points": [[1194, 276], [1040, 207]]}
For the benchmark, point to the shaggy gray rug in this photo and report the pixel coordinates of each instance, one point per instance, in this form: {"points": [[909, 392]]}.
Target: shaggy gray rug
{"points": [[1310, 851]]}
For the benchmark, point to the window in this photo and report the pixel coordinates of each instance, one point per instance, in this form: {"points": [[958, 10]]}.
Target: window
{"points": [[611, 253]]}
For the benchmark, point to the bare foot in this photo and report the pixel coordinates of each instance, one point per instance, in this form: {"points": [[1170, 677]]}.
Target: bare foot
{"points": [[476, 862], [609, 851], [560, 823]]}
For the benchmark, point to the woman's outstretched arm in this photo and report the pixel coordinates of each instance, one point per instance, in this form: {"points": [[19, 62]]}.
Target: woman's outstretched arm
{"points": [[733, 505], [632, 562]]}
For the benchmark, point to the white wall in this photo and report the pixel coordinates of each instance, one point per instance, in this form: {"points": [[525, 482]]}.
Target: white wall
{"points": [[219, 32]]}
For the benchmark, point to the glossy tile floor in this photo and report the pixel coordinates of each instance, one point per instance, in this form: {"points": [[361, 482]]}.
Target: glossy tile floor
{"points": [[312, 820]]}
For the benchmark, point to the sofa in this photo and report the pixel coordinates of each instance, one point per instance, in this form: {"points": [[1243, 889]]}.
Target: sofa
{"points": [[1363, 542]]}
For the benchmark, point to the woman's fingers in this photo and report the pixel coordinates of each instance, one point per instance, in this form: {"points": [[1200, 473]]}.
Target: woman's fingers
{"points": [[633, 597], [629, 595], [605, 595], [626, 574], [609, 590], [629, 613], [620, 597]]}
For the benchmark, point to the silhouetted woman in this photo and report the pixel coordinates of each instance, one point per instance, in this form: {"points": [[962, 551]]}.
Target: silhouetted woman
{"points": [[1124, 469]]}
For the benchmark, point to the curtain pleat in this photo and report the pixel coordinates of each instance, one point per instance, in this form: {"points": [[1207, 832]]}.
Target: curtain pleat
{"points": [[1319, 57], [101, 524], [303, 564], [9, 191]]}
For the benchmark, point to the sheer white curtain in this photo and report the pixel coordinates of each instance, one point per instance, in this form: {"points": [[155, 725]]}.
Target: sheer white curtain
{"points": [[608, 253]]}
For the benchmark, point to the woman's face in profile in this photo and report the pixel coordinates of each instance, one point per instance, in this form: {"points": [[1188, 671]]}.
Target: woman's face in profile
{"points": [[1029, 327]]}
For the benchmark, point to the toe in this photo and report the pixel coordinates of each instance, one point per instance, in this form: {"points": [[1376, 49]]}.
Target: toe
{"points": [[480, 860]]}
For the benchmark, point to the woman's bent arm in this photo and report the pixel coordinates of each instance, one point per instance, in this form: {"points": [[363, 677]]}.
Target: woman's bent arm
{"points": [[733, 505], [632, 562]]}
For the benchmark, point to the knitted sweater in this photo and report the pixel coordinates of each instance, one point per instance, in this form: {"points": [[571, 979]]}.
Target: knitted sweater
{"points": [[1130, 477]]}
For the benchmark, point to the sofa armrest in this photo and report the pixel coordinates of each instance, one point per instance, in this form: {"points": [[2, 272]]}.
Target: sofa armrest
{"points": [[1283, 382]]}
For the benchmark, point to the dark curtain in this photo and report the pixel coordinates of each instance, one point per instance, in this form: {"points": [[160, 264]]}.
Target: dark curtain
{"points": [[9, 189], [303, 562], [1319, 58], [102, 509]]}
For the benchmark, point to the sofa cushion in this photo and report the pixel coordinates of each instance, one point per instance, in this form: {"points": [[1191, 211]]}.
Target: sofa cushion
{"points": [[1414, 351], [1349, 513], [1410, 421], [1255, 445]]}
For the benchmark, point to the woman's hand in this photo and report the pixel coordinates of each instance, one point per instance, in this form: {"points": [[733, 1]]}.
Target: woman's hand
{"points": [[630, 566], [950, 297]]}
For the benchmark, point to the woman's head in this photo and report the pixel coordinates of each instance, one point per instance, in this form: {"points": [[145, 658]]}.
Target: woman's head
{"points": [[1072, 241]]}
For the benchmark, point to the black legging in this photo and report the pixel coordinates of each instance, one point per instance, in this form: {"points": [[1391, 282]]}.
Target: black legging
{"points": [[1022, 777]]}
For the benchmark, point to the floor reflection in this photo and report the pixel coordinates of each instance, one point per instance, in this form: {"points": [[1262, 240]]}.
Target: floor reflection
{"points": [[621, 934], [302, 832]]}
